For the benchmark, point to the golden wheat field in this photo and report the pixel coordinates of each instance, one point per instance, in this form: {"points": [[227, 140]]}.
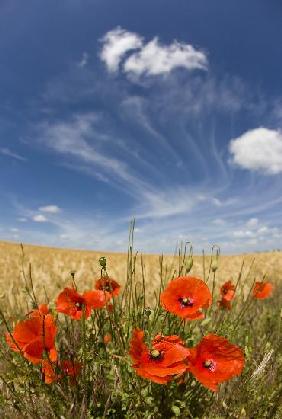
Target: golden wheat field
{"points": [[51, 267]]}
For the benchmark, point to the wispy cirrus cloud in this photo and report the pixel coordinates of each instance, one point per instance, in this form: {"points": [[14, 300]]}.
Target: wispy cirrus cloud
{"points": [[51, 209], [76, 138], [14, 155], [163, 145], [84, 60]]}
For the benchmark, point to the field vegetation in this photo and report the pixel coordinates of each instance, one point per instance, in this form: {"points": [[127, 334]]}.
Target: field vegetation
{"points": [[124, 349]]}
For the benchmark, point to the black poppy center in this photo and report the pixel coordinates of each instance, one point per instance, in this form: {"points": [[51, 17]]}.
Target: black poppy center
{"points": [[79, 305], [155, 354], [186, 302], [209, 364], [107, 287]]}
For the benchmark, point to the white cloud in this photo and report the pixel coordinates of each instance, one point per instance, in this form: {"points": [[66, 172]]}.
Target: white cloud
{"points": [[243, 233], [116, 44], [256, 231], [39, 218], [219, 221], [252, 223], [22, 219], [51, 209], [7, 152], [258, 149], [154, 58], [84, 60]]}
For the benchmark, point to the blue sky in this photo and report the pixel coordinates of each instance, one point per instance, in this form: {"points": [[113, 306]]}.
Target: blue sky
{"points": [[166, 111]]}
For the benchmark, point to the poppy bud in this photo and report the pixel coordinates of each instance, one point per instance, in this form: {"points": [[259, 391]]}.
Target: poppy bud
{"points": [[215, 257], [189, 264], [147, 311], [107, 338], [72, 273], [103, 262], [214, 266]]}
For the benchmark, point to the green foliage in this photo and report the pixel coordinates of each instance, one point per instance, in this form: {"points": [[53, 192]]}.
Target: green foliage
{"points": [[108, 386]]}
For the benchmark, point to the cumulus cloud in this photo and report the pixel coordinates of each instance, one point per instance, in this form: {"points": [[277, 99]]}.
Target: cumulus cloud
{"points": [[258, 149], [252, 229], [51, 209], [116, 44], [152, 58], [39, 218]]}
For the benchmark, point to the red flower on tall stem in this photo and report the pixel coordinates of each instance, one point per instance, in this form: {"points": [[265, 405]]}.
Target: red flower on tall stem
{"points": [[166, 358], [73, 304], [186, 296], [34, 336], [227, 292], [223, 303], [52, 372], [215, 360], [109, 285], [262, 290], [42, 309]]}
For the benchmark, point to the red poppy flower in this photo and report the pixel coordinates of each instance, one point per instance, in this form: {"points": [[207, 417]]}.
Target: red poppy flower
{"points": [[41, 310], [166, 359], [54, 371], [262, 290], [227, 291], [223, 303], [33, 336], [110, 308], [186, 296], [215, 360], [70, 368], [107, 338], [48, 371], [109, 285], [227, 294], [70, 302]]}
